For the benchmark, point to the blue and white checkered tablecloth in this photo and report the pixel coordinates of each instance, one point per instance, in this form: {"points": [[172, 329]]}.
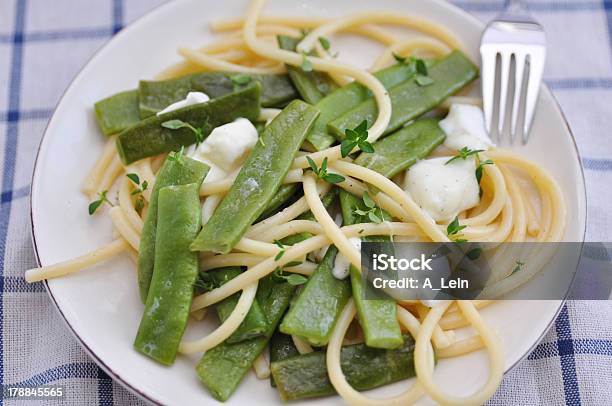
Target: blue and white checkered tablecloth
{"points": [[43, 44]]}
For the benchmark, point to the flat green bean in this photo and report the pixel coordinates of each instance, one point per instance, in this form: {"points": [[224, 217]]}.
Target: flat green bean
{"points": [[254, 324], [223, 367], [117, 112], [285, 192], [319, 304], [149, 138], [173, 172], [403, 148], [305, 376], [154, 96], [377, 317], [409, 100], [175, 270], [281, 347], [350, 96], [258, 180]]}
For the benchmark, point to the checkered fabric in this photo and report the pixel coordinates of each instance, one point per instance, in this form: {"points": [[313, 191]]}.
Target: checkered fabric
{"points": [[43, 43]]}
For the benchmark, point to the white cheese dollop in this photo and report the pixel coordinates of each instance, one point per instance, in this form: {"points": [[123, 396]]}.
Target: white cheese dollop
{"points": [[342, 264], [443, 190], [226, 148], [191, 99], [224, 151], [464, 127]]}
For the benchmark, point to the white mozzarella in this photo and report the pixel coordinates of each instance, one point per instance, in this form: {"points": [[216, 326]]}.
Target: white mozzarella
{"points": [[464, 127], [342, 264], [443, 190], [191, 99]]}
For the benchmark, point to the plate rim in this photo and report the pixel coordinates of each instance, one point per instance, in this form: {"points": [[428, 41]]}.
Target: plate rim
{"points": [[117, 37]]}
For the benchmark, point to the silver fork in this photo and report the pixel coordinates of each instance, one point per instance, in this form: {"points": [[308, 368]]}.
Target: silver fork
{"points": [[512, 40]]}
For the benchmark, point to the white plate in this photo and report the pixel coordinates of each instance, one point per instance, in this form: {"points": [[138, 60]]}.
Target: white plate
{"points": [[101, 305]]}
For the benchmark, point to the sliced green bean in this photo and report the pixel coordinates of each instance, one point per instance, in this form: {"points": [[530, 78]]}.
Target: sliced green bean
{"points": [[377, 317], [254, 324], [277, 89], [315, 311], [281, 347], [149, 138], [409, 100], [312, 86], [305, 376], [403, 148], [223, 367], [117, 112], [173, 172], [258, 180], [176, 268], [285, 192], [350, 96]]}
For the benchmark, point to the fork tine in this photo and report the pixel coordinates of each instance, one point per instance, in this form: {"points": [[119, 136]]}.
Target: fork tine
{"points": [[488, 85], [536, 69], [519, 63], [503, 90]]}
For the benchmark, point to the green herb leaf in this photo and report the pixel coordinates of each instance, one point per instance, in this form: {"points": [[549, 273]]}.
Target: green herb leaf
{"points": [[479, 169], [421, 67], [464, 153], [374, 218], [139, 204], [519, 266], [368, 201], [296, 279], [323, 169], [423, 80], [95, 205], [333, 178], [174, 124], [281, 252], [312, 165], [398, 58], [356, 137], [474, 253], [145, 185], [366, 147], [241, 79], [177, 156], [177, 124], [134, 178], [306, 64], [454, 227], [346, 147], [362, 129], [324, 43]]}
